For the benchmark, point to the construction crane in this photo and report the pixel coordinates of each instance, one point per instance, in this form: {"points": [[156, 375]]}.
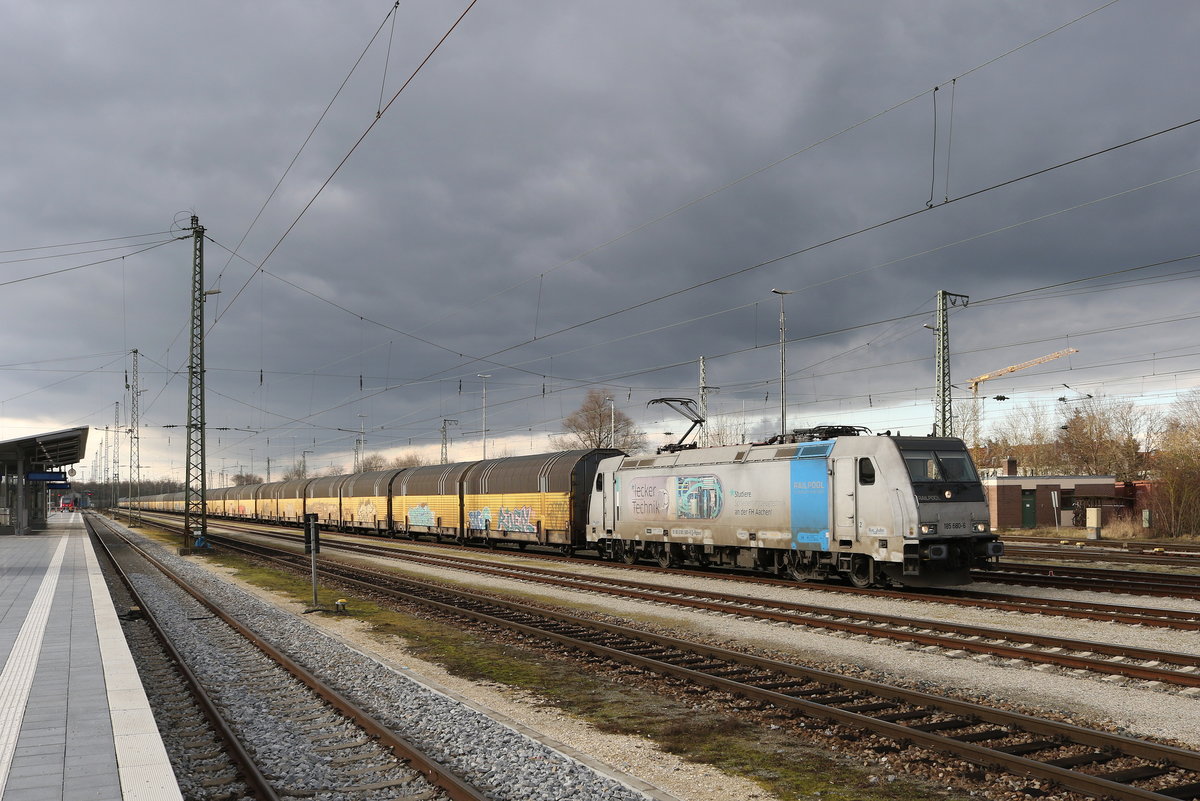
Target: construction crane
{"points": [[977, 380]]}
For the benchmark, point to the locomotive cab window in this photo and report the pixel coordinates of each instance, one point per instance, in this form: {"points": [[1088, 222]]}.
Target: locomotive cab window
{"points": [[922, 466], [939, 466], [956, 466], [599, 482], [866, 471]]}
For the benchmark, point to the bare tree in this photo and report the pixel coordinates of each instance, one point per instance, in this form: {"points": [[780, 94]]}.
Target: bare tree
{"points": [[1100, 436], [594, 423], [242, 479], [372, 462], [968, 421], [724, 429], [408, 459], [297, 470], [1027, 435], [1175, 491]]}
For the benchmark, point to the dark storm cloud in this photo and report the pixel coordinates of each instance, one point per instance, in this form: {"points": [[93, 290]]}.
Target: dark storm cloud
{"points": [[470, 220]]}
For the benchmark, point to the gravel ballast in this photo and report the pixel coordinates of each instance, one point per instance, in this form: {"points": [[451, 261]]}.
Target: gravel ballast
{"points": [[1112, 702], [489, 754], [1091, 700]]}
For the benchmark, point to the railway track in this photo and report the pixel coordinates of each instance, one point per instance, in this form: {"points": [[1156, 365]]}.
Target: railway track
{"points": [[290, 733], [1165, 667], [1089, 610], [1091, 762], [1084, 552], [1150, 551], [210, 763], [1130, 582]]}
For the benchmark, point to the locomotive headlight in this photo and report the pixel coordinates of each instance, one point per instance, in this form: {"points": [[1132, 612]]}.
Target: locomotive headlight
{"points": [[929, 528], [947, 494], [980, 528]]}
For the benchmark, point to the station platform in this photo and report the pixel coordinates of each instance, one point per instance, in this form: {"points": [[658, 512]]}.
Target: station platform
{"points": [[75, 724]]}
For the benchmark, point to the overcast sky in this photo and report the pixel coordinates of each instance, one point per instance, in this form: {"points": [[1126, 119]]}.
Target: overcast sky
{"points": [[586, 194]]}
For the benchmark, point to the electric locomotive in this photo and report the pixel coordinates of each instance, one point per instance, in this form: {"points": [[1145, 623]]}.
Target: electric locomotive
{"points": [[829, 503]]}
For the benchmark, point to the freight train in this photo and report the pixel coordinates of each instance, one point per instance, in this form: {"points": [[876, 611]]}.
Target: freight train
{"points": [[822, 503]]}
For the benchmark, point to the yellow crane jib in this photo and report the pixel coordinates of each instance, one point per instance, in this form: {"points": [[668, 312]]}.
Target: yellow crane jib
{"points": [[977, 380]]}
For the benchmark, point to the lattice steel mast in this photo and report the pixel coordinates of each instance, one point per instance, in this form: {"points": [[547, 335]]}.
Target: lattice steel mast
{"points": [[446, 422], [943, 418], [195, 521], [135, 441], [116, 455], [703, 437]]}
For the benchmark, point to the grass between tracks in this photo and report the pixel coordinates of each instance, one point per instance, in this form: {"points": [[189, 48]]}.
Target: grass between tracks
{"points": [[769, 756]]}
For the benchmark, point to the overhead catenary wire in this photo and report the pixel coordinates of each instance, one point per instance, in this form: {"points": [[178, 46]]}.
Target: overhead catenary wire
{"points": [[73, 268], [51, 256], [835, 239], [609, 379], [86, 242], [393, 23], [771, 165], [963, 73], [312, 131], [832, 279], [362, 137]]}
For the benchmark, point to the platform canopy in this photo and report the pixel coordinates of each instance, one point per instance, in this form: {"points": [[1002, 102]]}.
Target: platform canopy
{"points": [[44, 451]]}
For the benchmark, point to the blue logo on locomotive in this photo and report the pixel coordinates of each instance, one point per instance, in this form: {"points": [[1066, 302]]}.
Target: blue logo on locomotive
{"points": [[810, 504]]}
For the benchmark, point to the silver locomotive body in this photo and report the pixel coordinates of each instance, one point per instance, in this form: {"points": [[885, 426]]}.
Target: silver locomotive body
{"points": [[870, 509]]}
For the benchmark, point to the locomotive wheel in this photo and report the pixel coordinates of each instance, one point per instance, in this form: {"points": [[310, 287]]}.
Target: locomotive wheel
{"points": [[799, 568], [862, 571], [666, 557], [627, 553]]}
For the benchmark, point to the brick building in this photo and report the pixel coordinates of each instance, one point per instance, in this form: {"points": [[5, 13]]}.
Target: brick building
{"points": [[1017, 501]]}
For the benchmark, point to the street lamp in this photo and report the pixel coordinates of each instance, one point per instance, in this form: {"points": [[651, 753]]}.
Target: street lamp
{"points": [[612, 422], [485, 378], [782, 362]]}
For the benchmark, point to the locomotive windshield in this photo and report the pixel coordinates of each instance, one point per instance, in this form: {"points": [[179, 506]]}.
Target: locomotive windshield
{"points": [[939, 466]]}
